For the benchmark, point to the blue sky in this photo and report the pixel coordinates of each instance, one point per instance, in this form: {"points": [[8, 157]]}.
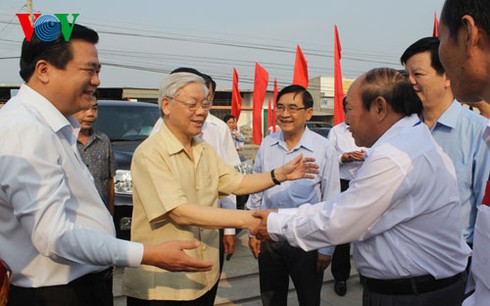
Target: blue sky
{"points": [[141, 41]]}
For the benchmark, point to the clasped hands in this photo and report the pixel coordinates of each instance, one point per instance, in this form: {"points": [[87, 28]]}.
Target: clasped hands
{"points": [[260, 230], [298, 168]]}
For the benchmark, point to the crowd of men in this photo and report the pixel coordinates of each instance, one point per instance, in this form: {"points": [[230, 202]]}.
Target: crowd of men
{"points": [[414, 166]]}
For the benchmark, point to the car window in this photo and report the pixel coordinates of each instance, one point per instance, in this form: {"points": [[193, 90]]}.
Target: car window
{"points": [[126, 122]]}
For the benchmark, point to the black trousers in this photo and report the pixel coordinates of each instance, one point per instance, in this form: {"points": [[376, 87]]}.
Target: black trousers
{"points": [[341, 262], [340, 266], [448, 296], [277, 262], [221, 251], [90, 290], [205, 300]]}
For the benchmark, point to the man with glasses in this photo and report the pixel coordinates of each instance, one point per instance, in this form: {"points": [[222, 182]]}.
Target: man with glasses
{"points": [[279, 260], [217, 134], [177, 179]]}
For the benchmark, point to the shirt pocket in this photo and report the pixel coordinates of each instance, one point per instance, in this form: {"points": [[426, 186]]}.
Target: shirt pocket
{"points": [[302, 191], [464, 174]]}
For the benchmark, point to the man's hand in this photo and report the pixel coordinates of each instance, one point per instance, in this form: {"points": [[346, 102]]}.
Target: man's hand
{"points": [[171, 256], [229, 245], [349, 157], [254, 245], [252, 222], [296, 169], [260, 232], [322, 262]]}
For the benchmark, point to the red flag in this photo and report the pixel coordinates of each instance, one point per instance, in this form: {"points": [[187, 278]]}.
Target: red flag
{"points": [[270, 113], [300, 69], [435, 30], [260, 89], [486, 197], [338, 110], [274, 103], [236, 98]]}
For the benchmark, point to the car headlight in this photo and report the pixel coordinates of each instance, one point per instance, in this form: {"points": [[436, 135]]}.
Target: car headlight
{"points": [[125, 224], [123, 184], [245, 167]]}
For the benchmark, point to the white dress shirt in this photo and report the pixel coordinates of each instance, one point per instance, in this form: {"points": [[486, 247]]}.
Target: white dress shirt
{"points": [[402, 210], [216, 132], [479, 278], [54, 227], [341, 138], [229, 153]]}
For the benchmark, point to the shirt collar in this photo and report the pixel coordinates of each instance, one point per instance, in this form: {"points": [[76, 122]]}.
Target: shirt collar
{"points": [[403, 123], [51, 115], [174, 144], [306, 140], [92, 136], [450, 117]]}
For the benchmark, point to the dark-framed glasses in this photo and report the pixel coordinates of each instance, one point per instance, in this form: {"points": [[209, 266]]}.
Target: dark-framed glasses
{"points": [[292, 109]]}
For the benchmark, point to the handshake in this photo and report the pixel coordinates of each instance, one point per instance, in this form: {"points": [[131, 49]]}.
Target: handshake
{"points": [[258, 224], [258, 228]]}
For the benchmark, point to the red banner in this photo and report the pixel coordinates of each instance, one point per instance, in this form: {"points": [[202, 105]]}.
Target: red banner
{"points": [[270, 113], [300, 69], [274, 103], [338, 110], [236, 98], [435, 29], [260, 89]]}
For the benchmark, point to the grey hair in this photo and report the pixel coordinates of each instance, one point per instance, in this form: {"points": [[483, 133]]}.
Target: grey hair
{"points": [[175, 81]]}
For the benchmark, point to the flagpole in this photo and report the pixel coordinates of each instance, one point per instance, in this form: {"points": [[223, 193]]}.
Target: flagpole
{"points": [[29, 10]]}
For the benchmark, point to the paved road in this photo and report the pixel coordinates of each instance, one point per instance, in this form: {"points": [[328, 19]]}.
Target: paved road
{"points": [[239, 284]]}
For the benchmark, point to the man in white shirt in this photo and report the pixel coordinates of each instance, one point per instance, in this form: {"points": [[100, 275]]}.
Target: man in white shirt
{"points": [[464, 32], [216, 132], [402, 209], [56, 234], [350, 159], [279, 261]]}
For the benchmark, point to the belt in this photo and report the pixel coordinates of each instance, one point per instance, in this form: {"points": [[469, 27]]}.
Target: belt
{"points": [[410, 286], [93, 278]]}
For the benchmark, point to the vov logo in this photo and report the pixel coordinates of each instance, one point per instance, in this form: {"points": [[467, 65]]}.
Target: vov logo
{"points": [[47, 27]]}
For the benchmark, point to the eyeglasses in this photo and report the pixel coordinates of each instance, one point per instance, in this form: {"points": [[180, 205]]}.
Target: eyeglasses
{"points": [[292, 109], [205, 104]]}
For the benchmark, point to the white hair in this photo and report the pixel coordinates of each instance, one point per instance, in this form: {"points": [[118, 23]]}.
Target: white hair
{"points": [[175, 81]]}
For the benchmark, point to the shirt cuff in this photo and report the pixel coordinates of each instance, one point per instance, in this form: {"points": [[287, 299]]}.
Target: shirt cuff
{"points": [[288, 211], [135, 254], [229, 231], [276, 223], [327, 251]]}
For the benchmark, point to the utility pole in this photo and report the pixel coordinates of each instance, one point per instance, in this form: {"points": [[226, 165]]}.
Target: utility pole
{"points": [[29, 10]]}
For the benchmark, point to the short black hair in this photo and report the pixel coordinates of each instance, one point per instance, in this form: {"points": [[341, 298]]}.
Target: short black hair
{"points": [[426, 44], [186, 69], [58, 52], [207, 79], [454, 10], [228, 117], [297, 89], [210, 83]]}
